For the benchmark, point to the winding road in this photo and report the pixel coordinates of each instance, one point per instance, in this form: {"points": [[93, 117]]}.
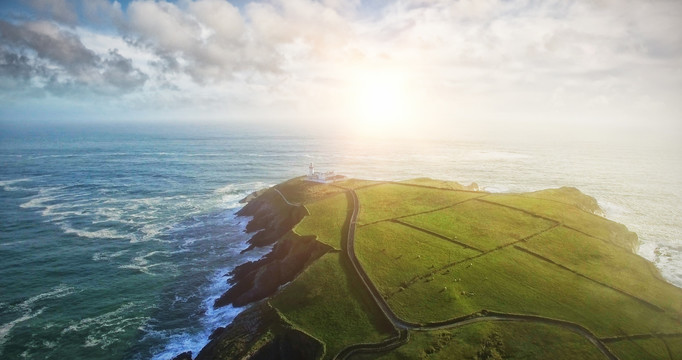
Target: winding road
{"points": [[403, 326]]}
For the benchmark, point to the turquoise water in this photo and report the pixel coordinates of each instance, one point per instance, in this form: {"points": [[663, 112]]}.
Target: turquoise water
{"points": [[114, 243]]}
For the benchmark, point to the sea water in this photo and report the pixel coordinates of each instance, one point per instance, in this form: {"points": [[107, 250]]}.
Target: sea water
{"points": [[115, 243]]}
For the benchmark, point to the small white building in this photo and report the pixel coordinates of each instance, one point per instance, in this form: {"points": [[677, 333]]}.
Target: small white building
{"points": [[323, 177]]}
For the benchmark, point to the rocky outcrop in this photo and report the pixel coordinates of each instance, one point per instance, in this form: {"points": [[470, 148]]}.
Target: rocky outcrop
{"points": [[184, 356], [256, 280], [252, 196], [272, 218], [260, 333]]}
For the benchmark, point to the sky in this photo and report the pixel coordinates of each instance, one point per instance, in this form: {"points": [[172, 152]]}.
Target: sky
{"points": [[449, 67]]}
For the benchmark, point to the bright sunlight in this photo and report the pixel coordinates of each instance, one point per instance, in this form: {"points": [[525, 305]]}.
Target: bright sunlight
{"points": [[382, 103]]}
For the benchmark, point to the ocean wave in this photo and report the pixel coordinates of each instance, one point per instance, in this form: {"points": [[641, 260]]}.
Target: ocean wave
{"points": [[96, 234], [59, 291], [242, 187], [143, 264], [27, 309], [232, 194], [6, 328], [194, 340], [102, 256], [7, 184], [102, 330]]}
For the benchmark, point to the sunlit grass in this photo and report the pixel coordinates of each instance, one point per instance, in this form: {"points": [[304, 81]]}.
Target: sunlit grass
{"points": [[441, 184], [599, 261], [391, 200], [571, 216], [356, 183], [325, 302], [393, 254], [568, 195], [480, 225], [641, 349], [512, 281], [519, 341], [326, 220], [425, 276], [300, 191]]}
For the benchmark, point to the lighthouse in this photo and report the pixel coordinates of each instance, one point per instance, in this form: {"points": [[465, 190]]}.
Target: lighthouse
{"points": [[322, 177]]}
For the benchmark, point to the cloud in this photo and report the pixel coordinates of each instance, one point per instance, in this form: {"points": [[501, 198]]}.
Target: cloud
{"points": [[462, 59], [60, 10], [103, 13], [48, 57], [212, 40]]}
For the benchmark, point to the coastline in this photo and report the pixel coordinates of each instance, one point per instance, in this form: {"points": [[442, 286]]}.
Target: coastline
{"points": [[272, 223]]}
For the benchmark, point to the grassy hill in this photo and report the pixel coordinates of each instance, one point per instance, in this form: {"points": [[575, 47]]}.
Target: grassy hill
{"points": [[432, 269]]}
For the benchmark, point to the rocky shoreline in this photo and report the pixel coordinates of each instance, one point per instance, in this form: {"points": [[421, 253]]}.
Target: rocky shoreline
{"points": [[259, 332]]}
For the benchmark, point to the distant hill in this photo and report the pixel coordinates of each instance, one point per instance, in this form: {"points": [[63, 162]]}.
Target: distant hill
{"points": [[429, 269]]}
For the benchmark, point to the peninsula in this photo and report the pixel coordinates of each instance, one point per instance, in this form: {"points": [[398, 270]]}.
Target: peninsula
{"points": [[436, 270]]}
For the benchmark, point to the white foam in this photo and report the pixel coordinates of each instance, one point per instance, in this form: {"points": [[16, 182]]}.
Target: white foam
{"points": [[26, 308], [102, 330], [57, 292], [7, 184], [97, 234], [242, 187], [101, 256], [104, 319], [6, 328], [213, 318], [142, 264]]}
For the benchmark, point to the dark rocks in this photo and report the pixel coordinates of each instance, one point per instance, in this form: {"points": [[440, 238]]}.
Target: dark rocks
{"points": [[257, 280], [272, 218], [216, 333], [260, 333], [184, 356]]}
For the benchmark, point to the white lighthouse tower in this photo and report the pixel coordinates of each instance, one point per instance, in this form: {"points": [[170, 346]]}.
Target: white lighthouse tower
{"points": [[311, 170]]}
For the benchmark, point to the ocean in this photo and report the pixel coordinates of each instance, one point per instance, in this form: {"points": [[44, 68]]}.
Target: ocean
{"points": [[115, 241]]}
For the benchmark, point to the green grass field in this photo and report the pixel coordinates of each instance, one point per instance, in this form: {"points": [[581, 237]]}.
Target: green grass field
{"points": [[571, 216], [568, 195], [325, 302], [356, 183], [512, 281], [642, 349], [597, 260], [326, 220], [480, 225], [466, 342], [393, 254], [522, 258], [300, 191], [387, 201], [441, 184], [674, 344]]}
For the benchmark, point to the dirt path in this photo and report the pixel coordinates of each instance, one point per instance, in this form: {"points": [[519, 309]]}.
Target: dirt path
{"points": [[284, 198]]}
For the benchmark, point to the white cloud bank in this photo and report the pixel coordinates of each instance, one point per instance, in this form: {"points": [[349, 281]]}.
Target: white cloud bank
{"points": [[485, 62]]}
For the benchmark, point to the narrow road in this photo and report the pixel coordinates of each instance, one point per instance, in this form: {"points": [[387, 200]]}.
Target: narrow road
{"points": [[374, 292], [403, 326]]}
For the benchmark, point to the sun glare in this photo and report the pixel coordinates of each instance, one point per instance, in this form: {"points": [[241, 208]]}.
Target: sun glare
{"points": [[381, 101]]}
